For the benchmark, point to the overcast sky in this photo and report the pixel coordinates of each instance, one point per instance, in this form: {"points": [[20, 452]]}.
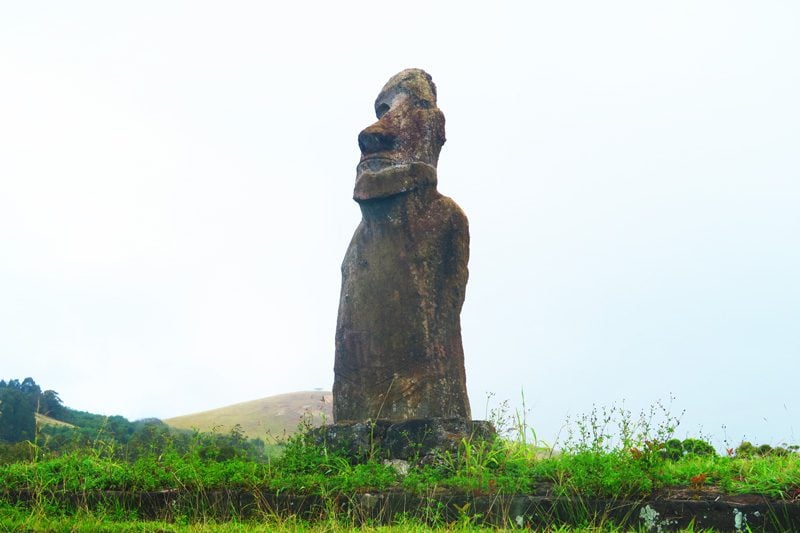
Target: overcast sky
{"points": [[176, 182]]}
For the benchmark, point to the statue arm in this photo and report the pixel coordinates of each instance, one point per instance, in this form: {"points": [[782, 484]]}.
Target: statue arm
{"points": [[459, 250]]}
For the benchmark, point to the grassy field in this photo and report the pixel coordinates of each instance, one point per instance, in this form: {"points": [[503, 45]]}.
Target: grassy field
{"points": [[276, 416], [42, 420]]}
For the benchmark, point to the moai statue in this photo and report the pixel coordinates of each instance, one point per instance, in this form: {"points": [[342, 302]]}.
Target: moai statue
{"points": [[398, 339]]}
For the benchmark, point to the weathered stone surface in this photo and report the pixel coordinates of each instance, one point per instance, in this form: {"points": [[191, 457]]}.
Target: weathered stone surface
{"points": [[419, 441], [540, 510], [428, 438], [357, 441], [399, 354]]}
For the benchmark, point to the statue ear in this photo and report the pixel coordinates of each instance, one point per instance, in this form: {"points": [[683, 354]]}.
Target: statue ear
{"points": [[440, 137]]}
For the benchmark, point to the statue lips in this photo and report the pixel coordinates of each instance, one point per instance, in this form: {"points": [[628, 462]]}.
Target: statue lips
{"points": [[375, 164]]}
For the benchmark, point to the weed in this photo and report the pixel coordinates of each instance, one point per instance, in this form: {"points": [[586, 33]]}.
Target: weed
{"points": [[606, 429]]}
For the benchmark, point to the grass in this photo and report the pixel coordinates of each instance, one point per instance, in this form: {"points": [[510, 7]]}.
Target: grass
{"points": [[608, 453], [277, 416], [13, 520]]}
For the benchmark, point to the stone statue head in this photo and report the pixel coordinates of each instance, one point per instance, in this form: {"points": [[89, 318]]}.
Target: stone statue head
{"points": [[410, 128]]}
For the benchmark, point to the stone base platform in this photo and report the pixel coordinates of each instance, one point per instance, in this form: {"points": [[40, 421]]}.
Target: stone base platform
{"points": [[415, 441], [663, 511]]}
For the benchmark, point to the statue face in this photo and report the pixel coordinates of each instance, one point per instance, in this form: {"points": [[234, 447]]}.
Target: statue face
{"points": [[410, 128]]}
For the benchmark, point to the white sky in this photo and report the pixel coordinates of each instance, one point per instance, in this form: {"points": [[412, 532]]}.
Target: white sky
{"points": [[176, 180]]}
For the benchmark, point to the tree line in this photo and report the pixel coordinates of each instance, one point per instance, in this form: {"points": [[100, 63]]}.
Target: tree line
{"points": [[21, 401]]}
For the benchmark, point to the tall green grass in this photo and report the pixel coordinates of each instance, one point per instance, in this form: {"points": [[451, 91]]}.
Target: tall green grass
{"points": [[608, 453]]}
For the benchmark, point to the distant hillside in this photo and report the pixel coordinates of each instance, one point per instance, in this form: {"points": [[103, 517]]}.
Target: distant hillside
{"points": [[276, 416], [42, 420]]}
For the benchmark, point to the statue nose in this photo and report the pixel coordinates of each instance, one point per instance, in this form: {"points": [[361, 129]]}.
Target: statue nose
{"points": [[375, 139]]}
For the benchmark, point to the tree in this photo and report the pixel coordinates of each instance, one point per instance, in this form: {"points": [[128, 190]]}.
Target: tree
{"points": [[28, 386], [50, 404], [17, 418]]}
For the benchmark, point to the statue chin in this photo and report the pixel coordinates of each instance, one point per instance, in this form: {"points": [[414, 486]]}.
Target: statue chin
{"points": [[389, 180]]}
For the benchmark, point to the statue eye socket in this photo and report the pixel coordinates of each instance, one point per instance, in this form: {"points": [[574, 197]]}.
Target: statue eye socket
{"points": [[381, 110], [424, 104]]}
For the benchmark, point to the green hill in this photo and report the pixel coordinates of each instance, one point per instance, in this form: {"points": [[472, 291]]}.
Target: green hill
{"points": [[271, 417]]}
